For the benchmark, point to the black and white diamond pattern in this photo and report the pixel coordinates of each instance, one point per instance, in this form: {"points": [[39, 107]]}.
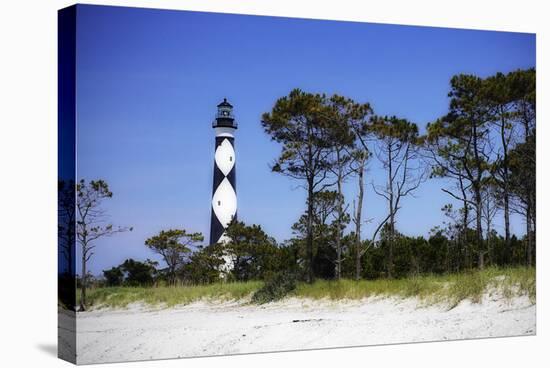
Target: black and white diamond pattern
{"points": [[224, 196]]}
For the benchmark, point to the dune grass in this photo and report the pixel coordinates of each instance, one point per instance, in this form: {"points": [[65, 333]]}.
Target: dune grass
{"points": [[450, 289], [170, 295]]}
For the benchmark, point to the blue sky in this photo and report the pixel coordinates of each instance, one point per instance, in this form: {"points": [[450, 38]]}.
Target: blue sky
{"points": [[148, 82]]}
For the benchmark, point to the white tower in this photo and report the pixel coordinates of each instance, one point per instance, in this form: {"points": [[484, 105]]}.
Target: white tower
{"points": [[224, 194]]}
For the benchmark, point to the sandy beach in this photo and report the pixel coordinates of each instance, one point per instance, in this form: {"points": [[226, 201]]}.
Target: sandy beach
{"points": [[207, 328]]}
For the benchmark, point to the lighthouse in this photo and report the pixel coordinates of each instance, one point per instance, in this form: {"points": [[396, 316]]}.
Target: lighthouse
{"points": [[224, 193]]}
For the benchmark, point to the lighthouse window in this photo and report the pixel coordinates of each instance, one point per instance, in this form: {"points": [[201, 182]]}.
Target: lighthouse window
{"points": [[230, 158], [219, 203]]}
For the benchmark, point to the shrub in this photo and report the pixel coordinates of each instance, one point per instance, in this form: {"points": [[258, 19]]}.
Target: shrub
{"points": [[276, 288], [114, 276]]}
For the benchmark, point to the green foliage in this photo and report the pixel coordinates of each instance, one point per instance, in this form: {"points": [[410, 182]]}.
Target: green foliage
{"points": [[438, 255], [114, 276], [276, 288], [204, 265], [301, 122], [485, 145], [479, 143], [139, 273], [295, 120], [392, 127], [174, 246], [449, 289], [131, 273], [255, 255], [324, 228]]}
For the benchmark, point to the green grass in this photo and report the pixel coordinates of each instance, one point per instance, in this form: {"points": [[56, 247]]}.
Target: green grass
{"points": [[169, 295], [450, 289], [351, 289]]}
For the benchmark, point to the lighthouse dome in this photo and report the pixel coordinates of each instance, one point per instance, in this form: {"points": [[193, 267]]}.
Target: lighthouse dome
{"points": [[224, 116]]}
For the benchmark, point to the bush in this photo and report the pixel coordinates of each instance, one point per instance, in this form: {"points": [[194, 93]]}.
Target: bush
{"points": [[114, 276], [276, 288]]}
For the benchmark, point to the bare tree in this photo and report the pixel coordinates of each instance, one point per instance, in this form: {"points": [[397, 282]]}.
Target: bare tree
{"points": [[343, 113], [360, 162], [397, 150], [446, 160], [490, 210], [91, 224], [359, 121], [66, 211]]}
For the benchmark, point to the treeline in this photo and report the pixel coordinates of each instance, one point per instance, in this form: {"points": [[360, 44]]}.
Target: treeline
{"points": [[255, 256], [484, 148]]}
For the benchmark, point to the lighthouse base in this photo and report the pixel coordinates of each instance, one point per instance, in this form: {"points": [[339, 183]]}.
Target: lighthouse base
{"points": [[226, 267]]}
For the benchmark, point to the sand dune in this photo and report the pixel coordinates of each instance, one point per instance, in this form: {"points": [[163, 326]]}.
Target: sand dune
{"points": [[203, 328]]}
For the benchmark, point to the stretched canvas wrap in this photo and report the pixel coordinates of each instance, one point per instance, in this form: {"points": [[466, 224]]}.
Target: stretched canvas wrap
{"points": [[235, 184]]}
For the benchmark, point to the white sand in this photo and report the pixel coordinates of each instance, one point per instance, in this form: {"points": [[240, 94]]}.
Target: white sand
{"points": [[203, 328]]}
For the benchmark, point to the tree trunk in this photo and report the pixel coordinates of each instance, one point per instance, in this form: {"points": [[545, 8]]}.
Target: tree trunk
{"points": [[531, 208], [83, 282], [529, 238], [390, 247], [532, 230], [479, 228], [477, 183], [339, 220], [309, 240], [488, 223], [173, 275], [508, 241], [480, 260], [488, 241], [464, 232], [358, 223], [392, 216], [465, 241], [506, 190], [69, 247]]}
